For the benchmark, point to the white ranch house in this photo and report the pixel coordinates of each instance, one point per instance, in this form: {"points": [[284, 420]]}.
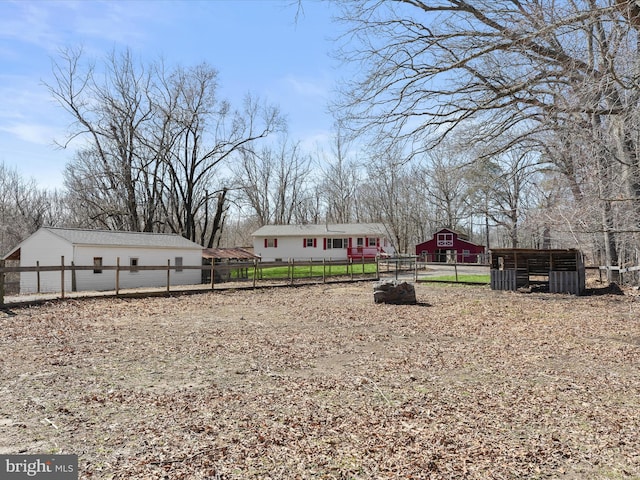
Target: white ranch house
{"points": [[99, 248], [318, 242]]}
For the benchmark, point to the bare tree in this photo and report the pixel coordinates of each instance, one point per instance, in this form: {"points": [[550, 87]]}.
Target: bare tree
{"points": [[540, 68], [443, 174], [109, 118], [152, 144], [24, 207], [205, 133], [275, 182], [387, 196], [503, 184], [340, 181]]}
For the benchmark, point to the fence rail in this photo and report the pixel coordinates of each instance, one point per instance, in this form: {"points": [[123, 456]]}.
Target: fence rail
{"points": [[247, 274]]}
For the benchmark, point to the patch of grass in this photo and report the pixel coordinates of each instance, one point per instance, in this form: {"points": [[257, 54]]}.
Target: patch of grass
{"points": [[307, 271], [461, 279]]}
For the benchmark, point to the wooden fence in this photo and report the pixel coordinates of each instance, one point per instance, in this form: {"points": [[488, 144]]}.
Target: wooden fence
{"points": [[620, 274], [247, 275]]}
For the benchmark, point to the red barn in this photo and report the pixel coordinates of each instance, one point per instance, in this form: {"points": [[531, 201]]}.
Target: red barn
{"points": [[451, 247]]}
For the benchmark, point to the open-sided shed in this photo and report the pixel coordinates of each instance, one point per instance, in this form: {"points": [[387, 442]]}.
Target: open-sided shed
{"points": [[562, 270], [226, 261]]}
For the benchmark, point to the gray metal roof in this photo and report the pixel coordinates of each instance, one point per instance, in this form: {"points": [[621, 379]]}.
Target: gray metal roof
{"points": [[228, 254], [122, 239], [325, 230]]}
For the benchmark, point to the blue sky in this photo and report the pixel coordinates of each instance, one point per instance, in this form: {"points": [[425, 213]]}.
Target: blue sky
{"points": [[256, 45]]}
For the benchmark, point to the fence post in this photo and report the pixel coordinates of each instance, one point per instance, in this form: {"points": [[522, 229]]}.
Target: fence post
{"points": [[255, 271], [62, 276], [213, 278], [74, 285], [1, 282], [378, 268], [117, 275], [292, 262], [324, 272], [350, 263], [168, 273], [455, 267], [38, 275]]}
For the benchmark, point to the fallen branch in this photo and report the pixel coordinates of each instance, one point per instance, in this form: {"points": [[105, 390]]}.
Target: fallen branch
{"points": [[51, 423]]}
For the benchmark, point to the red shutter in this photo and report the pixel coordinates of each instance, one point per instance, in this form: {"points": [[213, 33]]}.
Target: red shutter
{"points": [[350, 241], [377, 242], [304, 243], [275, 243], [324, 243], [315, 242], [265, 243]]}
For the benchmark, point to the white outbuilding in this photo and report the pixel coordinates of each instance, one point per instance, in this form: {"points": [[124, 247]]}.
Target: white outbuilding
{"points": [[52, 247], [317, 242]]}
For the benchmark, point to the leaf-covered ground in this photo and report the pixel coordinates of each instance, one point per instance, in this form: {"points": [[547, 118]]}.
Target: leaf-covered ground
{"points": [[320, 382]]}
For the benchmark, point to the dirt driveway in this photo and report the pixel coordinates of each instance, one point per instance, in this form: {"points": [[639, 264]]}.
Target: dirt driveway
{"points": [[320, 382]]}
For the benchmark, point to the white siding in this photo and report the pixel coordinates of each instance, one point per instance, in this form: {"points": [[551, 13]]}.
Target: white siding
{"points": [[46, 248], [292, 248], [87, 280]]}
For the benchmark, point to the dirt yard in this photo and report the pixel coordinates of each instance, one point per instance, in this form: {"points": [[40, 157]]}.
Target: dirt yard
{"points": [[320, 382]]}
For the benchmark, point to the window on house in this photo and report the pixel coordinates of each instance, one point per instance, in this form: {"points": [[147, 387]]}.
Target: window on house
{"points": [[309, 242], [337, 243], [97, 264], [178, 264], [466, 253], [271, 242], [445, 240], [359, 242], [133, 264], [373, 242]]}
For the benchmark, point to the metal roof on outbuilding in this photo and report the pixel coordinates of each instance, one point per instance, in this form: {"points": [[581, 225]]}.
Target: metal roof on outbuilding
{"points": [[113, 238], [228, 254]]}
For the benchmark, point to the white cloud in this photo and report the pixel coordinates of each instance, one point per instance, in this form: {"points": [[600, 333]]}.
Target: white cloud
{"points": [[51, 25], [32, 133], [318, 139], [308, 87], [29, 23]]}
